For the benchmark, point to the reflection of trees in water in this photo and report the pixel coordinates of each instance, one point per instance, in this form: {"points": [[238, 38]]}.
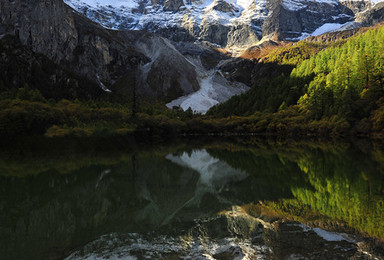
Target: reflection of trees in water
{"points": [[349, 188], [344, 184]]}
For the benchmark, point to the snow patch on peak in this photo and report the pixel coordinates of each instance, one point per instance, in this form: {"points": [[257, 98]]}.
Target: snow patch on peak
{"points": [[328, 27], [325, 28], [130, 4], [295, 5], [245, 3]]}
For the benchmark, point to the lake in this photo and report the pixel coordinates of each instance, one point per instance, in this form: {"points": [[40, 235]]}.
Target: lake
{"points": [[215, 198]]}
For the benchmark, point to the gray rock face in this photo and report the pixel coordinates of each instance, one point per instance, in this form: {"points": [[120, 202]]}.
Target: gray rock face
{"points": [[46, 26], [173, 5], [222, 35], [290, 22], [242, 35], [169, 74], [215, 33], [224, 7], [22, 67], [51, 28], [372, 16]]}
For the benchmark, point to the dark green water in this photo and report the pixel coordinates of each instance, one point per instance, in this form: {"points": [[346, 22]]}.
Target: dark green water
{"points": [[58, 196]]}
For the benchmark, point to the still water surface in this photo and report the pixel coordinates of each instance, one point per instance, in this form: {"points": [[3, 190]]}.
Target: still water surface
{"points": [[221, 199]]}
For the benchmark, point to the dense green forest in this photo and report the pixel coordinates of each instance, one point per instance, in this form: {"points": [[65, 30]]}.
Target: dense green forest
{"points": [[333, 88], [341, 82]]}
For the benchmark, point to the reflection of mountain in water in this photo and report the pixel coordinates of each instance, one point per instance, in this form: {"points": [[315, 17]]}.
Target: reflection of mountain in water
{"points": [[157, 195], [139, 194], [215, 175]]}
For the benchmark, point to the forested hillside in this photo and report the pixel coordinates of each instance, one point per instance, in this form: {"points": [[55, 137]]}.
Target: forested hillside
{"points": [[340, 81], [346, 81], [321, 88]]}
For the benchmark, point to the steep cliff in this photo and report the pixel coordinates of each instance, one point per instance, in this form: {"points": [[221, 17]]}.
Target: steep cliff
{"points": [[292, 19], [81, 47], [74, 43]]}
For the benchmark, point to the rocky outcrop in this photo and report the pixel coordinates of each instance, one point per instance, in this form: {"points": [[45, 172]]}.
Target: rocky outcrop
{"points": [[289, 22], [169, 74], [357, 6], [242, 35], [223, 6], [209, 56], [104, 53], [173, 5], [372, 16], [214, 33]]}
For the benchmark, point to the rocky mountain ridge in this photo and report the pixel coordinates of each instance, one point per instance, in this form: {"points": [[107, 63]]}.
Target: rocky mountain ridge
{"points": [[229, 23]]}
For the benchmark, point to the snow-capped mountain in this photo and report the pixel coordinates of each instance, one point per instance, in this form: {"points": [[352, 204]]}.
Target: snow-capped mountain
{"points": [[232, 24], [186, 70], [224, 22]]}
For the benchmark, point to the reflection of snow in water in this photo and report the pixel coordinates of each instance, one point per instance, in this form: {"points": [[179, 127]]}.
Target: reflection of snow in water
{"points": [[326, 235], [332, 236], [213, 172], [214, 176], [134, 246]]}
